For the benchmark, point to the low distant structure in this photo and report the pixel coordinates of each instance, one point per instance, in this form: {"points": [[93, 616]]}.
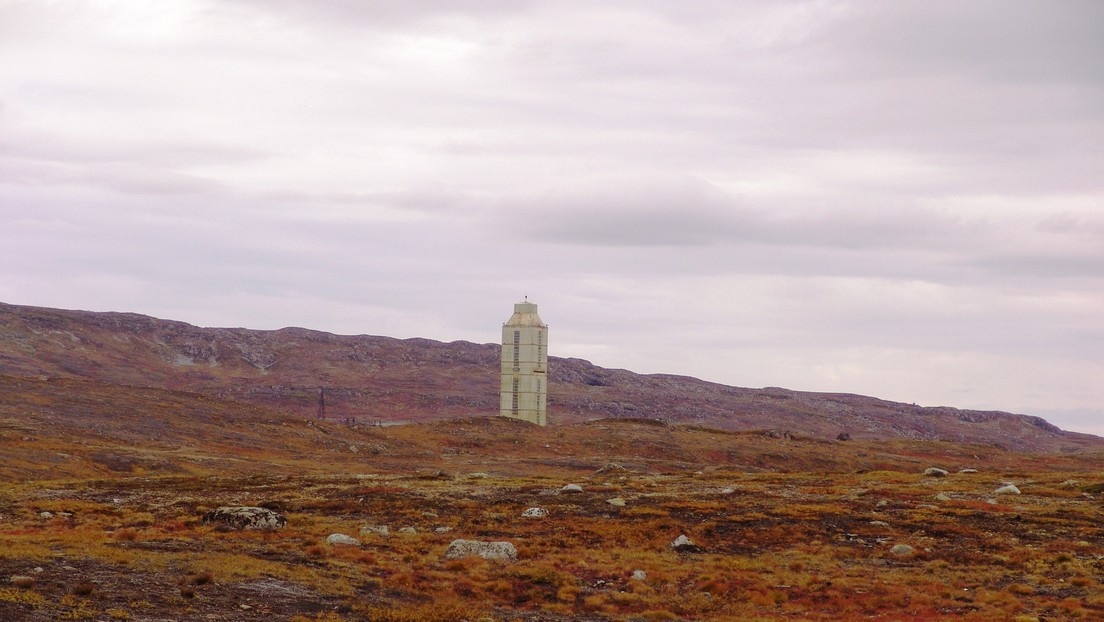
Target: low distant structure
{"points": [[525, 365]]}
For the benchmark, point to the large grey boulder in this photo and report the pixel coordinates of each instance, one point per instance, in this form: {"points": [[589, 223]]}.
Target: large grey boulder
{"points": [[902, 550], [1007, 489], [535, 513], [935, 472], [245, 517], [498, 551], [342, 539]]}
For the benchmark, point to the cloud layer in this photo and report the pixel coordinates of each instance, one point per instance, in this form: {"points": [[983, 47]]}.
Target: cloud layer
{"points": [[895, 199]]}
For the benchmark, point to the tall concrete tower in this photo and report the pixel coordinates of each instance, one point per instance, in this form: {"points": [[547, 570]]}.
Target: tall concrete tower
{"points": [[525, 365]]}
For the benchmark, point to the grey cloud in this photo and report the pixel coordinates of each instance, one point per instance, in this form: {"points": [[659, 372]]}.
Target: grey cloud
{"points": [[1015, 41], [836, 188], [378, 14], [622, 212]]}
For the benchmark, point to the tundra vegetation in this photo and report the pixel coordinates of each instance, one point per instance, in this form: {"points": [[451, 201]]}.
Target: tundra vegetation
{"points": [[106, 489]]}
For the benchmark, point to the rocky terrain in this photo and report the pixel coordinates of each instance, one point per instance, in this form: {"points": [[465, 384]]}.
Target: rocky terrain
{"points": [[382, 379], [146, 504], [155, 471]]}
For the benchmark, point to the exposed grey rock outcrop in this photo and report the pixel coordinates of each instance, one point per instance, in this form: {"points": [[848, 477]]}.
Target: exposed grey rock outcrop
{"points": [[379, 530], [245, 517], [498, 551]]}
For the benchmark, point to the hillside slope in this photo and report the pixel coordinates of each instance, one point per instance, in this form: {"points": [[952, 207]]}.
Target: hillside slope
{"points": [[372, 378], [72, 428]]}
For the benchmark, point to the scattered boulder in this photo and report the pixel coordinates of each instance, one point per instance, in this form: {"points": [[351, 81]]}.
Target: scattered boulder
{"points": [[22, 581], [683, 544], [942, 497], [408, 530], [968, 471], [497, 551], [571, 488], [1070, 483], [429, 515], [442, 529], [1007, 489], [879, 523], [616, 501], [935, 472], [245, 517], [377, 530], [639, 575], [535, 513], [342, 539], [45, 515], [902, 550], [477, 476], [843, 436], [611, 467], [727, 491]]}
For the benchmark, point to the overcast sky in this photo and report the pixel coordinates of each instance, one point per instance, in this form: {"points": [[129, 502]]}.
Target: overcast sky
{"points": [[898, 199]]}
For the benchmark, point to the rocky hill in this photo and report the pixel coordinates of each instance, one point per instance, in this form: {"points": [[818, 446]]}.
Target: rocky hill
{"points": [[382, 379]]}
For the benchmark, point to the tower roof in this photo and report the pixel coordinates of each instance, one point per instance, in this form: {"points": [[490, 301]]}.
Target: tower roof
{"points": [[525, 314]]}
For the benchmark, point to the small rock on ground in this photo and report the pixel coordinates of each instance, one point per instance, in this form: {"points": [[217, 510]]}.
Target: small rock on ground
{"points": [[685, 544]]}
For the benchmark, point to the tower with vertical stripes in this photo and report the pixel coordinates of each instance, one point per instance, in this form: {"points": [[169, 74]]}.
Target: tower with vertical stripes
{"points": [[525, 365]]}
